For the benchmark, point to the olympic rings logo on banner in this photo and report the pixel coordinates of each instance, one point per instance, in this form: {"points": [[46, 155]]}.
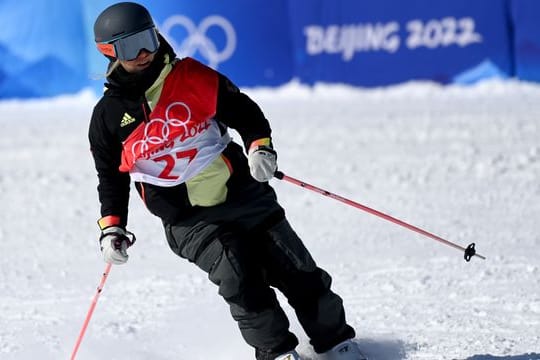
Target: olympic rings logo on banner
{"points": [[141, 146], [197, 38]]}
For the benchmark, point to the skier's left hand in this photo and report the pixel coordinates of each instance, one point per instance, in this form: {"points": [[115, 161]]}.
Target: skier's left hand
{"points": [[262, 160]]}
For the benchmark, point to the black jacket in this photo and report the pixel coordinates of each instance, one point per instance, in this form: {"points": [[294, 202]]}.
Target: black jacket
{"points": [[124, 106]]}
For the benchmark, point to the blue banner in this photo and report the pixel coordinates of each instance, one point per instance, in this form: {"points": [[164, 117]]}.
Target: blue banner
{"points": [[372, 43], [47, 47], [42, 48], [525, 14]]}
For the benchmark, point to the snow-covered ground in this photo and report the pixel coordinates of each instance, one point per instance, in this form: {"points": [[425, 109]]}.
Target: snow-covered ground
{"points": [[462, 162]]}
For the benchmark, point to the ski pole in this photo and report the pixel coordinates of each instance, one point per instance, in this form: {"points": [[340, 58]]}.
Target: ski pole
{"points": [[469, 252], [91, 310]]}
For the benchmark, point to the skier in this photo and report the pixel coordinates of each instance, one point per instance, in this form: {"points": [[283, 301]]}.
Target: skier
{"points": [[162, 122]]}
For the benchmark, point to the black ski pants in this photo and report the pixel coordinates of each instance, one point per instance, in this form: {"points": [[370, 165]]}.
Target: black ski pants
{"points": [[247, 265]]}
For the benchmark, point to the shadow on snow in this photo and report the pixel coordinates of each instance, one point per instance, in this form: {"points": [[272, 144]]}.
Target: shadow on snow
{"points": [[531, 356], [383, 349]]}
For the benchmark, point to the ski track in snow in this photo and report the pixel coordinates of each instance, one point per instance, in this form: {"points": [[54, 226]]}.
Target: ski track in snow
{"points": [[461, 162]]}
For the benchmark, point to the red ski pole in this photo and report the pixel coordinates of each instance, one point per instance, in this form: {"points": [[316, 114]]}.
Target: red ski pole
{"points": [[469, 252], [91, 310]]}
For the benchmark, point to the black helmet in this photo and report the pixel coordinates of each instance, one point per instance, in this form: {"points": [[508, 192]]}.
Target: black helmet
{"points": [[121, 19]]}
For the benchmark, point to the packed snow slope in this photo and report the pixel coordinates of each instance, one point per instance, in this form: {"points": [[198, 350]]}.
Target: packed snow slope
{"points": [[461, 162]]}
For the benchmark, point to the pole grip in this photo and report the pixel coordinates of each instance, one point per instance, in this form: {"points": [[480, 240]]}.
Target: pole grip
{"points": [[279, 175]]}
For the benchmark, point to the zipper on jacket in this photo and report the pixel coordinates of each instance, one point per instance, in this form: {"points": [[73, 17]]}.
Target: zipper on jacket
{"points": [[144, 105]]}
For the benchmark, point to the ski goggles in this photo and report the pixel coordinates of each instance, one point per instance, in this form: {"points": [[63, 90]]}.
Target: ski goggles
{"points": [[128, 47]]}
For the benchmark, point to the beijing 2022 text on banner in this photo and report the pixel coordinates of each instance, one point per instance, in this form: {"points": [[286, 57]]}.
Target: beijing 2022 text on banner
{"points": [[372, 43]]}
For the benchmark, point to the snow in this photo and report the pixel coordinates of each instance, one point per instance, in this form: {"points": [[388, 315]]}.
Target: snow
{"points": [[461, 162]]}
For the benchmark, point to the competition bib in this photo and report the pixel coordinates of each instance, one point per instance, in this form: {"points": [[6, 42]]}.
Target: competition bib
{"points": [[181, 137]]}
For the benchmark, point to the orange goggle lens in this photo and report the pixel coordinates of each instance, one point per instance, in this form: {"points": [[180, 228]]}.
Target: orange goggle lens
{"points": [[106, 49]]}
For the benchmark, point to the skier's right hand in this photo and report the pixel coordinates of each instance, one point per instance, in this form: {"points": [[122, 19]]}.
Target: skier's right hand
{"points": [[114, 242]]}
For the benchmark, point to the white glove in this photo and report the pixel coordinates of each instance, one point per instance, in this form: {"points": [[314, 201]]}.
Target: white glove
{"points": [[114, 243], [262, 161]]}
